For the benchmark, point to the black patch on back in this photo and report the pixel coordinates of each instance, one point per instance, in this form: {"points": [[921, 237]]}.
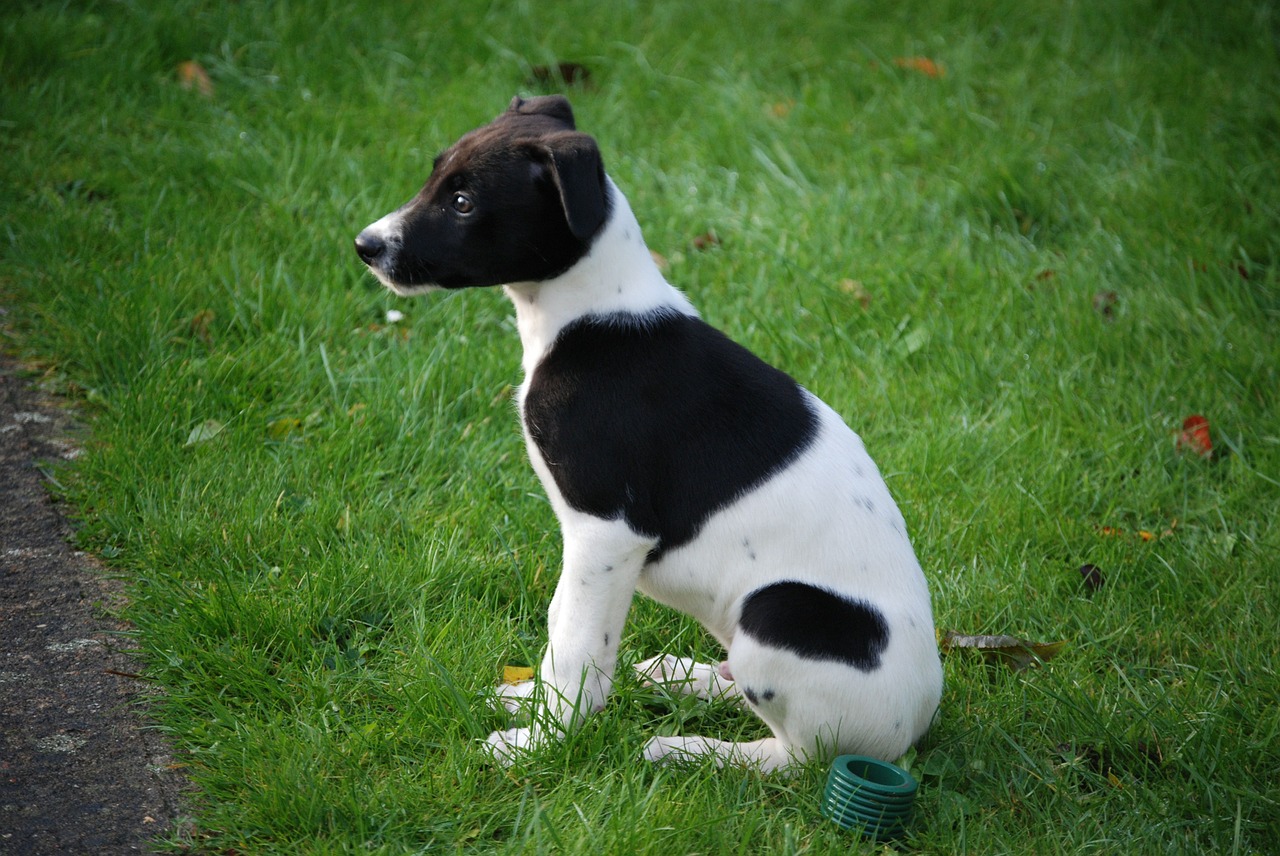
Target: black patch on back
{"points": [[661, 420], [816, 624]]}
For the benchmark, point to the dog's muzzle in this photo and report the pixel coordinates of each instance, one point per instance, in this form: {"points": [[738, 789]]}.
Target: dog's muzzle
{"points": [[370, 247]]}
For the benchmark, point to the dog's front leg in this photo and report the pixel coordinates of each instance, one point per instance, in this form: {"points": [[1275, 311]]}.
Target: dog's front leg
{"points": [[602, 563]]}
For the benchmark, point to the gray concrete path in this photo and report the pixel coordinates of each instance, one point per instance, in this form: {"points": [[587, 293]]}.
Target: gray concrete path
{"points": [[79, 770]]}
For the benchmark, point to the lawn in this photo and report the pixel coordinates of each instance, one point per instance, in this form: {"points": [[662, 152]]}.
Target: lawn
{"points": [[1015, 244]]}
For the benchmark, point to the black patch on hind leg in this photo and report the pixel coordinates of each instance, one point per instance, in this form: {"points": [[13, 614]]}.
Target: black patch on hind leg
{"points": [[816, 624]]}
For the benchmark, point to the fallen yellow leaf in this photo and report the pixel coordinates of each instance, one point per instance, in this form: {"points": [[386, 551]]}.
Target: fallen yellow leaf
{"points": [[279, 429], [516, 674]]}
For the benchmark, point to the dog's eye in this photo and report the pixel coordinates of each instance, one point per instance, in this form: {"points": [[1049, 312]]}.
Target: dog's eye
{"points": [[462, 203]]}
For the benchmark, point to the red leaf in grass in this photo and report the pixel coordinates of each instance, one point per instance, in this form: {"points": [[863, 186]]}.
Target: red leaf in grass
{"points": [[1195, 436]]}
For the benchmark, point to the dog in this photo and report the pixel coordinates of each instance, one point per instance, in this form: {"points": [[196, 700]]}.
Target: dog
{"points": [[678, 465]]}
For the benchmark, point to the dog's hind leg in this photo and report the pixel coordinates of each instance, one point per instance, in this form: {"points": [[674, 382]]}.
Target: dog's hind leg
{"points": [[683, 675]]}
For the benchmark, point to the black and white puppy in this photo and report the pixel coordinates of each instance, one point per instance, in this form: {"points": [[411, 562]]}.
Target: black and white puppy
{"points": [[678, 464]]}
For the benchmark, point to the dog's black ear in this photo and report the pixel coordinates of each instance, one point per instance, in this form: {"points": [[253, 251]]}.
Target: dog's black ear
{"points": [[574, 163], [553, 106]]}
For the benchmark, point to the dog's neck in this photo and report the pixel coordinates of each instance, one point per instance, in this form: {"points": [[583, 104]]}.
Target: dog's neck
{"points": [[618, 275]]}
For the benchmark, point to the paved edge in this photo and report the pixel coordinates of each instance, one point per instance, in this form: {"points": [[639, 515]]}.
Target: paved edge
{"points": [[82, 770]]}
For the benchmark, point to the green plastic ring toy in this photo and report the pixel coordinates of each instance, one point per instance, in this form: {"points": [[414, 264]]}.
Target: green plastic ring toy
{"points": [[870, 795]]}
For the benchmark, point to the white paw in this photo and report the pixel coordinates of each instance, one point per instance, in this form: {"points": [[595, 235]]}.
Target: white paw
{"points": [[506, 747], [668, 750], [515, 698], [656, 749], [684, 675], [768, 755]]}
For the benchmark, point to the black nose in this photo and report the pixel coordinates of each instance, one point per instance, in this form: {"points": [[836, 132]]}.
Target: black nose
{"points": [[369, 247]]}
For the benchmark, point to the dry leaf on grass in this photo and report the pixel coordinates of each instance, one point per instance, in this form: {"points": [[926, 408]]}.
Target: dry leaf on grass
{"points": [[1017, 654], [200, 324], [191, 75], [1104, 303], [1141, 534], [857, 290], [922, 64], [706, 241], [1044, 279], [204, 432]]}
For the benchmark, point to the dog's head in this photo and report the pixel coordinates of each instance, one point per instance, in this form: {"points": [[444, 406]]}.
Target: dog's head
{"points": [[517, 200]]}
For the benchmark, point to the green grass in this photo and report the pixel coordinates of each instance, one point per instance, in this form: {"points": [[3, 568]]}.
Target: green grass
{"points": [[326, 587]]}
